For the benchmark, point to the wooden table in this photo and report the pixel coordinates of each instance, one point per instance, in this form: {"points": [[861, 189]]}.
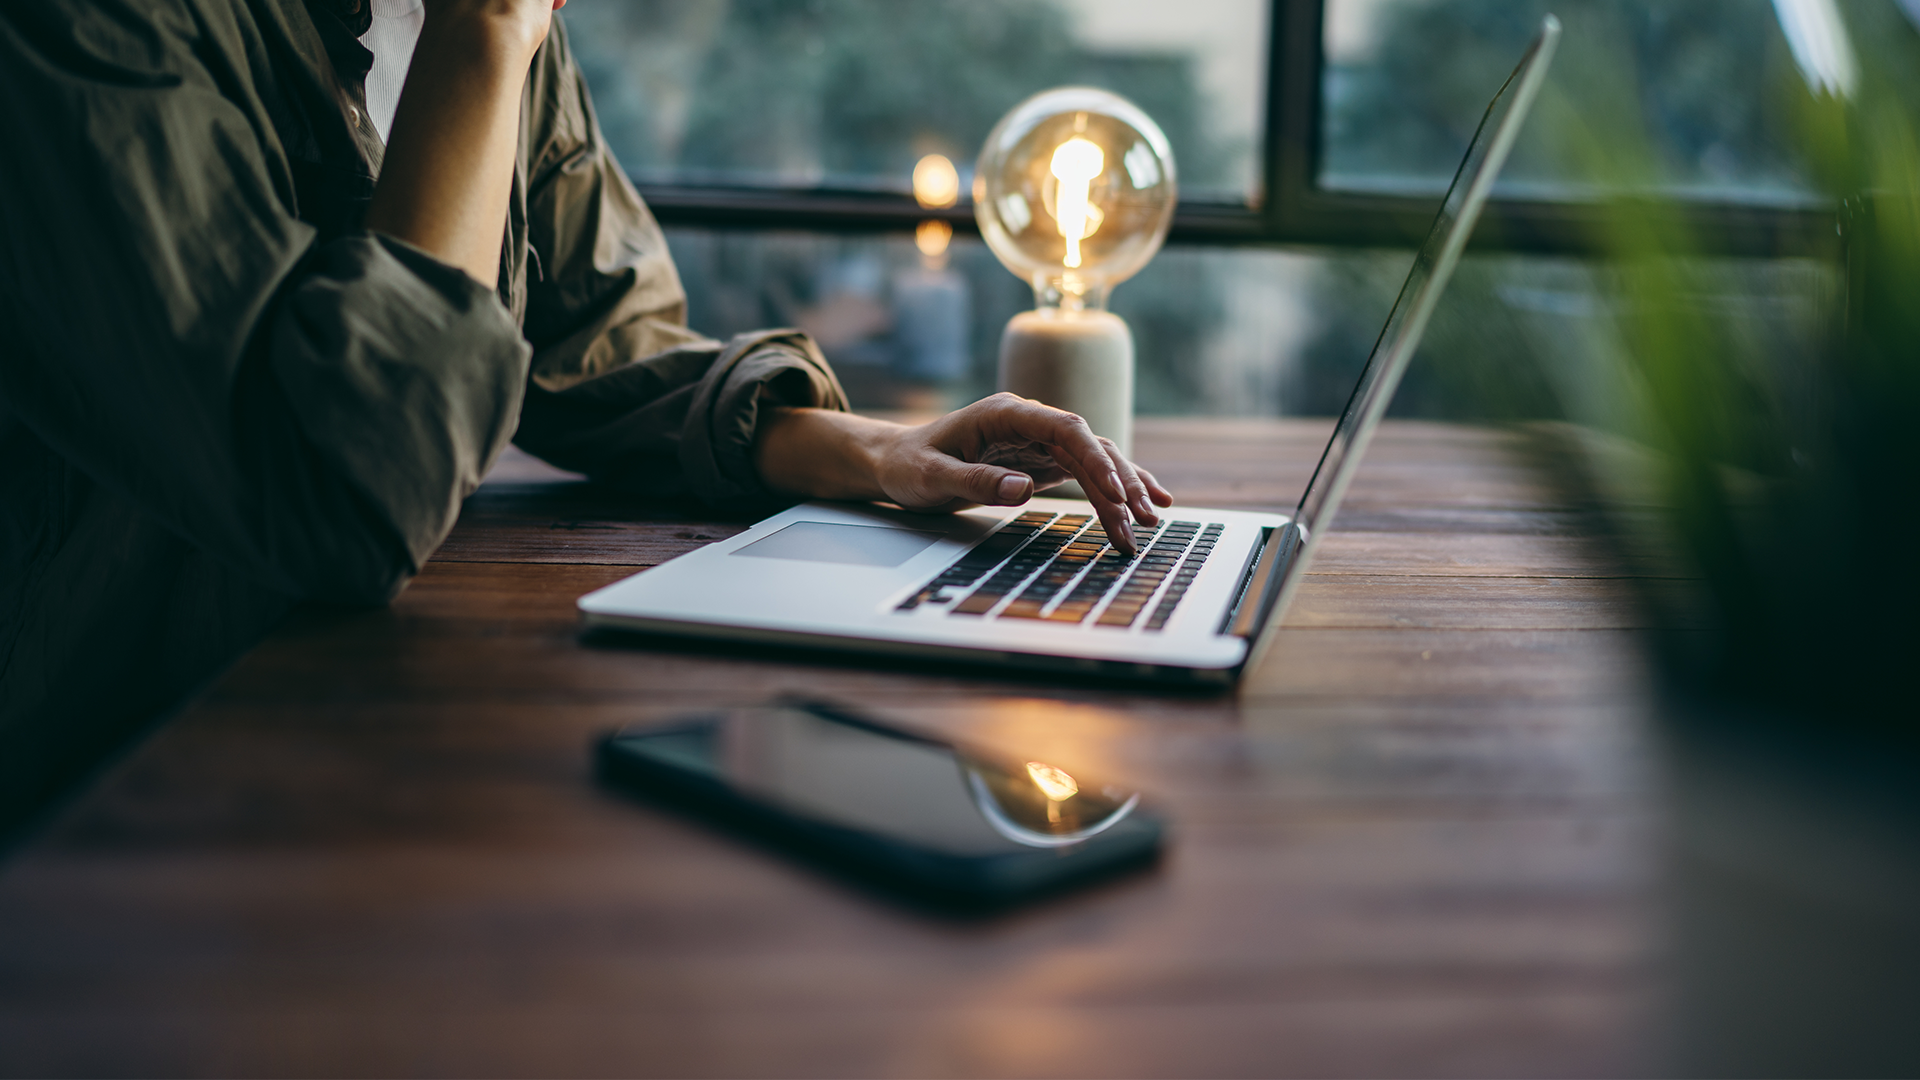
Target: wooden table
{"points": [[1421, 841]]}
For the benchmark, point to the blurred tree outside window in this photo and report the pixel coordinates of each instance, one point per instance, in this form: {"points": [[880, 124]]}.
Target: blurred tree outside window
{"points": [[1405, 81]]}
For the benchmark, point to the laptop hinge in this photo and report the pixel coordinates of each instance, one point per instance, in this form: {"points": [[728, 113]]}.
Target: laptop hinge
{"points": [[1260, 588], [1246, 578]]}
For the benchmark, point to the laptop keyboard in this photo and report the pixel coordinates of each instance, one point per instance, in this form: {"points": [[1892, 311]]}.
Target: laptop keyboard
{"points": [[1156, 565], [1060, 569]]}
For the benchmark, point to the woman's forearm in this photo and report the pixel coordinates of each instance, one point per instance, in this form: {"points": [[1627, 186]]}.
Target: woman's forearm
{"points": [[448, 171], [822, 453]]}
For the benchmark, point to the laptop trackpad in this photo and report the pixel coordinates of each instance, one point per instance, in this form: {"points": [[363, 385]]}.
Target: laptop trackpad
{"points": [[856, 545]]}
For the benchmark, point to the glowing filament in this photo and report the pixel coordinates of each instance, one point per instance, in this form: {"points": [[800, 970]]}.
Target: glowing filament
{"points": [[1055, 782], [1075, 164]]}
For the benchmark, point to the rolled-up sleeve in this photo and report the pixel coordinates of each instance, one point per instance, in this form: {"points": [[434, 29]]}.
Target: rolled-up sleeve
{"points": [[310, 412], [681, 422], [621, 389]]}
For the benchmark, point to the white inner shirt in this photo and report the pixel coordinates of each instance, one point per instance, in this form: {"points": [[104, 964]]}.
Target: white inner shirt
{"points": [[391, 39]]}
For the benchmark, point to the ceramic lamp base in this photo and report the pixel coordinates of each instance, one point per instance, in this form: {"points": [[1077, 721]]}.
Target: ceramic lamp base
{"points": [[1080, 361]]}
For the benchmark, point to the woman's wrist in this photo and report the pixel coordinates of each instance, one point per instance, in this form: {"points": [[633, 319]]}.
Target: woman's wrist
{"points": [[823, 453], [497, 40]]}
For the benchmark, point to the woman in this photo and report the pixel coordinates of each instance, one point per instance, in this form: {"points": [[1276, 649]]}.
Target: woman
{"points": [[256, 353]]}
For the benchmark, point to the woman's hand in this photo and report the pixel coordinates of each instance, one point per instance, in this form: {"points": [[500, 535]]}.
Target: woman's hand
{"points": [[448, 171], [517, 26], [995, 452]]}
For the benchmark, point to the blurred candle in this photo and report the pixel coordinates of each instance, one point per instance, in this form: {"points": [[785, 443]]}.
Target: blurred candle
{"points": [[932, 305]]}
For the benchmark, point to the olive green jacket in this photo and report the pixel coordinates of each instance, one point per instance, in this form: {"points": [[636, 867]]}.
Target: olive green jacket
{"points": [[219, 395]]}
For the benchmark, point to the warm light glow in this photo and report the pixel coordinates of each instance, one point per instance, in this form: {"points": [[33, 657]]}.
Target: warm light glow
{"points": [[1075, 164], [936, 183], [1055, 782], [932, 237]]}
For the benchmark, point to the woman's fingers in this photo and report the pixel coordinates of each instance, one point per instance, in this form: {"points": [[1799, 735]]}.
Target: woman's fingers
{"points": [[1120, 491], [1112, 512], [1155, 490], [1137, 499], [920, 476], [1006, 418]]}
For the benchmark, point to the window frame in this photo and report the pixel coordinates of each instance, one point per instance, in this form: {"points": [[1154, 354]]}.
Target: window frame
{"points": [[1290, 209]]}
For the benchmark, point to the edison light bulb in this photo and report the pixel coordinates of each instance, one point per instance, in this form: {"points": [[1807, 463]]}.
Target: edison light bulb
{"points": [[1074, 191]]}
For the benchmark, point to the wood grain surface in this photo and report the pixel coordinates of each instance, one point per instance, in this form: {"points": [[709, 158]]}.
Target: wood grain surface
{"points": [[1418, 843]]}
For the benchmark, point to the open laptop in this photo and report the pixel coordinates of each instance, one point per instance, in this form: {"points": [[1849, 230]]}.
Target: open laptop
{"points": [[1038, 586]]}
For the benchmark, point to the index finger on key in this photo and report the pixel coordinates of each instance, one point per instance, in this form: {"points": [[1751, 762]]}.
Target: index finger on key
{"points": [[1112, 513], [1069, 438]]}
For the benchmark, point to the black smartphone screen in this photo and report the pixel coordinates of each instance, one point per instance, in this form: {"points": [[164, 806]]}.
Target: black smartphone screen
{"points": [[903, 811]]}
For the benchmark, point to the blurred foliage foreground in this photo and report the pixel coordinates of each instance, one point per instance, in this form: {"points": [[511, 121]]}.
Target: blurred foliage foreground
{"points": [[1784, 485]]}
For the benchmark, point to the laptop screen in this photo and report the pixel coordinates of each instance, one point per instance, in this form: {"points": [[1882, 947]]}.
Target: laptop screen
{"points": [[1285, 561], [1431, 269]]}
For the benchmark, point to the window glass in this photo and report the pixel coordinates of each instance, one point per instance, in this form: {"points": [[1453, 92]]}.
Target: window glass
{"points": [[1232, 331], [849, 94], [1691, 97]]}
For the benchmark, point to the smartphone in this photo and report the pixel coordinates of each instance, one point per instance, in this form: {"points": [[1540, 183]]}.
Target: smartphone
{"points": [[920, 818]]}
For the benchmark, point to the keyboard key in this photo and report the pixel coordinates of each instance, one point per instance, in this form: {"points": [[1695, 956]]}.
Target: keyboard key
{"points": [[1081, 601], [1182, 580], [979, 603], [1131, 598], [1044, 588]]}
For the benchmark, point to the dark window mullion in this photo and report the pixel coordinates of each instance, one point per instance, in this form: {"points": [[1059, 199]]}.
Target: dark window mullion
{"points": [[1194, 221], [1293, 115]]}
